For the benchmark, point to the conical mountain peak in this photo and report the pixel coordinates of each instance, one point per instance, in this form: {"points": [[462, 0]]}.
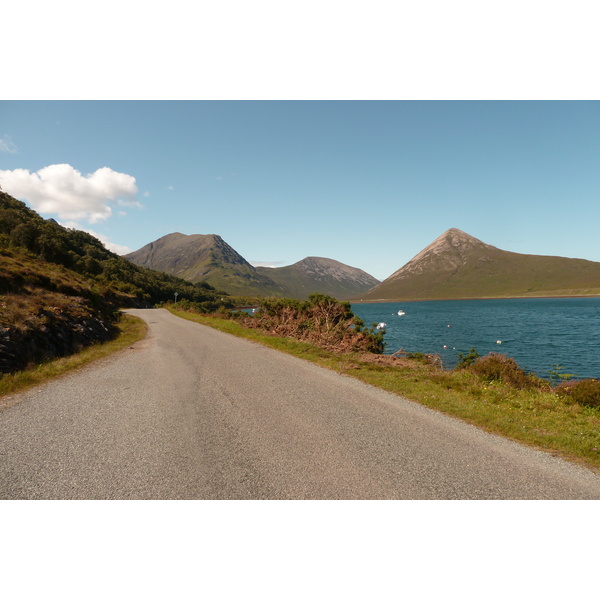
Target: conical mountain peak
{"points": [[204, 257], [447, 252], [458, 265], [456, 238]]}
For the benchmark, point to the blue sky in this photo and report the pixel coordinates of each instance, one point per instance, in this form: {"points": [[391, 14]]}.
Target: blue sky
{"points": [[368, 183]]}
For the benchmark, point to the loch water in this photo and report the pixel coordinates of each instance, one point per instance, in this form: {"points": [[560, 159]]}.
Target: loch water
{"points": [[539, 333]]}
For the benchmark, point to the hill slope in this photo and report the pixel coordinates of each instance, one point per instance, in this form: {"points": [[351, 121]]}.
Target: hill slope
{"points": [[205, 258], [323, 275], [457, 265], [60, 289]]}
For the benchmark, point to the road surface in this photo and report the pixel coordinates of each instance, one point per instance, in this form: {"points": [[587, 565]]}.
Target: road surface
{"points": [[193, 413]]}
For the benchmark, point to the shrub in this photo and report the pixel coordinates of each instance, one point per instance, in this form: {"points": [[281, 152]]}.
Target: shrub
{"points": [[468, 359], [585, 392], [320, 320], [499, 367], [557, 375]]}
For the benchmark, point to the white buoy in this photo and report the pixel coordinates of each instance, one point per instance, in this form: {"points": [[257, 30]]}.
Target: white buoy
{"points": [[499, 342]]}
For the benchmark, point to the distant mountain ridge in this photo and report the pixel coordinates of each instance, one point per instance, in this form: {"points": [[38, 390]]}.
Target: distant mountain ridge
{"points": [[205, 258], [323, 275], [457, 265], [209, 258]]}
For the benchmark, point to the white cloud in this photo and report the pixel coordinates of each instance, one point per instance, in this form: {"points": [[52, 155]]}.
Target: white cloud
{"points": [[63, 191], [272, 264], [116, 248], [6, 145]]}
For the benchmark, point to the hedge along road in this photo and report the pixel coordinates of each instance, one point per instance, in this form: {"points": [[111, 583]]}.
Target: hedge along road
{"points": [[191, 412]]}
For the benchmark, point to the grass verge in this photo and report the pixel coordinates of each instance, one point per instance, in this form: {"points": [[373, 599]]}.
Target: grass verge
{"points": [[538, 418], [131, 330]]}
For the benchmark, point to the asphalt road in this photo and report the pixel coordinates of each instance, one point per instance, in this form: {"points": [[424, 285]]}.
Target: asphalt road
{"points": [[192, 413]]}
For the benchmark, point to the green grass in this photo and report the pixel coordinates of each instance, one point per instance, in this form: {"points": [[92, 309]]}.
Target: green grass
{"points": [[131, 330], [536, 417]]}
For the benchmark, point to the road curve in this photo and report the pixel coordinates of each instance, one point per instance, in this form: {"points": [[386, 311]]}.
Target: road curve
{"points": [[193, 413]]}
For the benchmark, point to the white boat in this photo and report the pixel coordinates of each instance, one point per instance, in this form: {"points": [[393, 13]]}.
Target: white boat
{"points": [[401, 312]]}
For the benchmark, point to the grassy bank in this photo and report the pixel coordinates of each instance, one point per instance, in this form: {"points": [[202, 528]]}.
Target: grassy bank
{"points": [[131, 329], [536, 417]]}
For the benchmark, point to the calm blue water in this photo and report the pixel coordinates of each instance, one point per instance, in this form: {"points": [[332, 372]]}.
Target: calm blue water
{"points": [[538, 332]]}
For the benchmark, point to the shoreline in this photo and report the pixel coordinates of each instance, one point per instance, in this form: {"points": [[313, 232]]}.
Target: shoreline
{"points": [[384, 301]]}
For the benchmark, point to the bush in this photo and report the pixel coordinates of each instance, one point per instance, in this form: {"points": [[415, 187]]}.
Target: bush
{"points": [[499, 367], [557, 375], [585, 392], [468, 359], [320, 320]]}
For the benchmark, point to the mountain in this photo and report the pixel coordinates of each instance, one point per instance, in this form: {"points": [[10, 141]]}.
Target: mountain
{"points": [[208, 258], [457, 265], [205, 258], [323, 275]]}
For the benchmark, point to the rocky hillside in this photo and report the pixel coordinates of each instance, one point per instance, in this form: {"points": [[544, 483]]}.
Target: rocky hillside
{"points": [[457, 265], [322, 275], [205, 258]]}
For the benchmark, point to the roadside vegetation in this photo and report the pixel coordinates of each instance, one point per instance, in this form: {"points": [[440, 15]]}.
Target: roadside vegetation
{"points": [[129, 330], [560, 416], [320, 320]]}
